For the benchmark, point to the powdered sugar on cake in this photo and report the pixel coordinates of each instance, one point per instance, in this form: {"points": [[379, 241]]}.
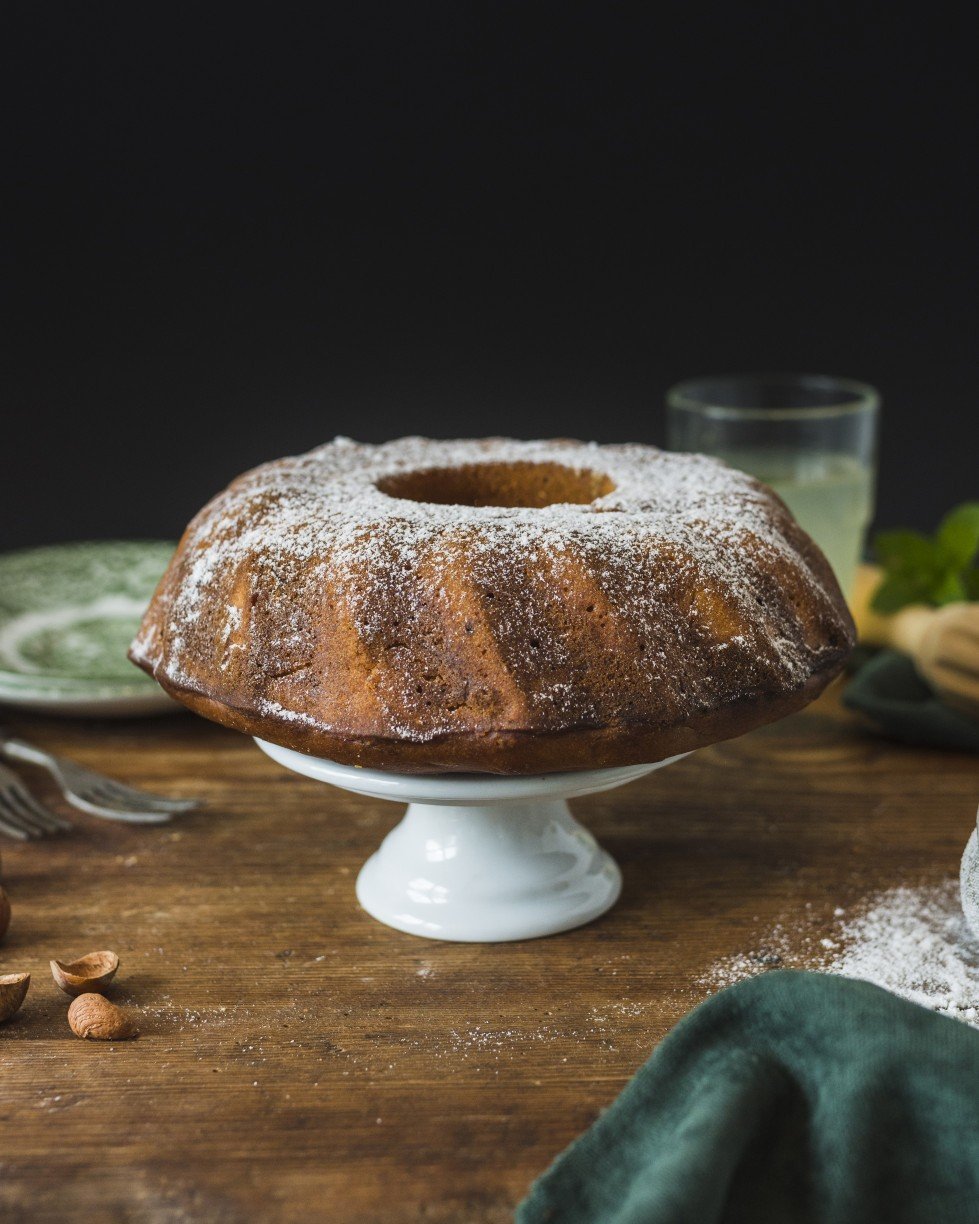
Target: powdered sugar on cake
{"points": [[320, 520]]}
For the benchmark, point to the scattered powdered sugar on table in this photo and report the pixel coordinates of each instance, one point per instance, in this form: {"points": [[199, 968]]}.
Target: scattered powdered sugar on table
{"points": [[914, 942]]}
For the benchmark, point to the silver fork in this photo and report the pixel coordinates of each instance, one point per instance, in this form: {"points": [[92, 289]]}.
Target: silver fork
{"points": [[94, 792], [21, 815]]}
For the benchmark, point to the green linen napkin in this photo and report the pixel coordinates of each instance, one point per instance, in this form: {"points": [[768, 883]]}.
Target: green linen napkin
{"points": [[889, 691], [790, 1098]]}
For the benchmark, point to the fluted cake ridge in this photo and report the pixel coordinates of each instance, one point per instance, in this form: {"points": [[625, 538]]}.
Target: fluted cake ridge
{"points": [[668, 601]]}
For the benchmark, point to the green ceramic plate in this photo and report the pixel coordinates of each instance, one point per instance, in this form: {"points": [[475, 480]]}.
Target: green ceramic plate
{"points": [[67, 615]]}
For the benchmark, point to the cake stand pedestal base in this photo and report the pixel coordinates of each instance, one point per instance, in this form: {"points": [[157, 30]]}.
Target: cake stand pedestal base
{"points": [[478, 857]]}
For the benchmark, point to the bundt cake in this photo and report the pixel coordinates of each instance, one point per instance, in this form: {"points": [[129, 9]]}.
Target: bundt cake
{"points": [[499, 606]]}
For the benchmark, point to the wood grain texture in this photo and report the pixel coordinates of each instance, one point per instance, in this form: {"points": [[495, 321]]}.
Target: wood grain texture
{"points": [[298, 1061]]}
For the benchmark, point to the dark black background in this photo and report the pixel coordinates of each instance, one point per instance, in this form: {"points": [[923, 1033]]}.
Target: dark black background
{"points": [[231, 238]]}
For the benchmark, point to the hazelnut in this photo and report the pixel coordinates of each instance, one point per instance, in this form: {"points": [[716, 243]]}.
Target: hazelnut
{"points": [[96, 1019]]}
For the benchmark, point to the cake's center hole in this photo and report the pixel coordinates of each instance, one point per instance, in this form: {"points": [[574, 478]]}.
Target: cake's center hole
{"points": [[533, 485]]}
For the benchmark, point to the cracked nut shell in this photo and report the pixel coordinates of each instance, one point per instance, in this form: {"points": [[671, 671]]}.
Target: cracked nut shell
{"points": [[13, 991], [89, 974]]}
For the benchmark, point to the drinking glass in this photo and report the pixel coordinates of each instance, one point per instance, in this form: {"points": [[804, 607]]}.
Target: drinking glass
{"points": [[811, 437]]}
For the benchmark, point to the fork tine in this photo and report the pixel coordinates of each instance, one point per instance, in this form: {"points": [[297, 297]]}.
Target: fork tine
{"points": [[125, 814], [41, 811], [145, 800], [11, 830], [13, 818], [103, 792], [33, 815], [23, 810], [95, 786]]}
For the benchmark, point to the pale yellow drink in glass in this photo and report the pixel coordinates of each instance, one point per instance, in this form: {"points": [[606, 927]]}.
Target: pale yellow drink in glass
{"points": [[831, 496], [811, 437]]}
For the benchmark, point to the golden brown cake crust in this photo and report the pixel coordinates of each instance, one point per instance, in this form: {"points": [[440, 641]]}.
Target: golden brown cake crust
{"points": [[586, 606]]}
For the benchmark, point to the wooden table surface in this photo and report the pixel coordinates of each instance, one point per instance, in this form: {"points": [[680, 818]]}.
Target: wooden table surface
{"points": [[299, 1061]]}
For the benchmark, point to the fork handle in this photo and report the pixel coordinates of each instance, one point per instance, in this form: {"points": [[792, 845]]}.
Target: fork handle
{"points": [[19, 750]]}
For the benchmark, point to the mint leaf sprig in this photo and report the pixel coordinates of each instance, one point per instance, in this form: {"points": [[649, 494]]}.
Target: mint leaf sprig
{"points": [[934, 570]]}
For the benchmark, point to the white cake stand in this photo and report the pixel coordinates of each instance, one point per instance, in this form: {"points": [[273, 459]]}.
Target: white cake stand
{"points": [[478, 857]]}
